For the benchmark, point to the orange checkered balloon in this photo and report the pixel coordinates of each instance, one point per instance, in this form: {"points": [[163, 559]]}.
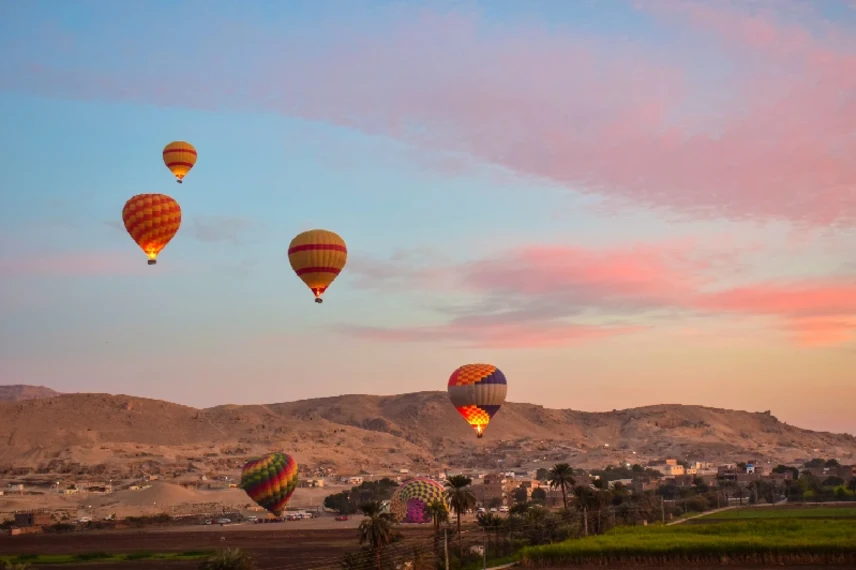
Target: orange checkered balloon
{"points": [[477, 391], [152, 220]]}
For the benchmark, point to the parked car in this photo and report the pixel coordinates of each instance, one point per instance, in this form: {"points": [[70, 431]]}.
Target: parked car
{"points": [[503, 509], [224, 520], [493, 509], [343, 518]]}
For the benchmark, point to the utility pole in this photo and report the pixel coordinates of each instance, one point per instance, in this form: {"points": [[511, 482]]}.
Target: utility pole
{"points": [[484, 550], [663, 508], [585, 520], [446, 546]]}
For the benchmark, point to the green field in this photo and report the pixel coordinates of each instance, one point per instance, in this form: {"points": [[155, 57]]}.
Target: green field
{"points": [[831, 512], [767, 541], [104, 557]]}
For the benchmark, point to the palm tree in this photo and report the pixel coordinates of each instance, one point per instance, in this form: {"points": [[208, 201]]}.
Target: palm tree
{"points": [[439, 515], [561, 476], [460, 498], [229, 559], [376, 528]]}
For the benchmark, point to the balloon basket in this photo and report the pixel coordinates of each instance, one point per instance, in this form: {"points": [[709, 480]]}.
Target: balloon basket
{"points": [[319, 300], [153, 262]]}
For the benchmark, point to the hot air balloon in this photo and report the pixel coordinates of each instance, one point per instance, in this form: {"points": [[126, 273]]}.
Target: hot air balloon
{"points": [[477, 391], [410, 501], [179, 157], [270, 480], [317, 256], [152, 220]]}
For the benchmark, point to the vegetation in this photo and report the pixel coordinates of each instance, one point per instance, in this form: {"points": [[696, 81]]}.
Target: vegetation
{"points": [[830, 512], [228, 559], [561, 476], [348, 502], [461, 499], [376, 529], [614, 473], [770, 542], [22, 562]]}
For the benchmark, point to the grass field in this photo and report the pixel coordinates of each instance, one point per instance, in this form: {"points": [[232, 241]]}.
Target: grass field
{"points": [[756, 541], [832, 512], [83, 557]]}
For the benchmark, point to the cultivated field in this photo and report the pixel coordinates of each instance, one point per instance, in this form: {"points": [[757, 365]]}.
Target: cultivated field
{"points": [[274, 546], [785, 512], [771, 541]]}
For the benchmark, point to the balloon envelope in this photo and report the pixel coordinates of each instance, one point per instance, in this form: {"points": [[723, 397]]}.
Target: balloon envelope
{"points": [[317, 257], [152, 220], [270, 480], [410, 501], [477, 391], [179, 157]]}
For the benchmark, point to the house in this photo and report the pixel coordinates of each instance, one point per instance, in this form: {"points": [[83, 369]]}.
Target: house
{"points": [[670, 468], [643, 484], [354, 480], [310, 483], [33, 518]]}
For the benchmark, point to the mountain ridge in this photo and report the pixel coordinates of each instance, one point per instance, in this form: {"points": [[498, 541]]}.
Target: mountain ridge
{"points": [[122, 435]]}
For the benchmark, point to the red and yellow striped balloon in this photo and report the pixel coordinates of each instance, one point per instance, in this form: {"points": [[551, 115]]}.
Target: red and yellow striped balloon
{"points": [[152, 220], [317, 256], [179, 157]]}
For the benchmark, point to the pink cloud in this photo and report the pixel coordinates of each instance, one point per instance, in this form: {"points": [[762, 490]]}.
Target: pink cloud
{"points": [[532, 295], [82, 264], [772, 139], [509, 335], [823, 331]]}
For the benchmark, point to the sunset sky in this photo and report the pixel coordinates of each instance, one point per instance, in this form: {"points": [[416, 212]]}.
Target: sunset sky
{"points": [[616, 203]]}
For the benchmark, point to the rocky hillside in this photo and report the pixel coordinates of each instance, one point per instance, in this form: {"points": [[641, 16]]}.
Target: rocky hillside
{"points": [[123, 436], [18, 392]]}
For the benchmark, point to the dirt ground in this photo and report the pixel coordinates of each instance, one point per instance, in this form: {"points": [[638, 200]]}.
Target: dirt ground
{"points": [[273, 546]]}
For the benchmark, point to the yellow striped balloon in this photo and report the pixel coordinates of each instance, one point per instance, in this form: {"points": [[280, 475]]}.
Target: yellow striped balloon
{"points": [[152, 220], [179, 157], [317, 256]]}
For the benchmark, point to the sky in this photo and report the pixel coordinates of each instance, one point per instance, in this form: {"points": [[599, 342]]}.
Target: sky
{"points": [[617, 203]]}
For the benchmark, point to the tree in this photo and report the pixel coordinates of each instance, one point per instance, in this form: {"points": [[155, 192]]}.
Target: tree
{"points": [[539, 496], [439, 515], [461, 499], [340, 502], [542, 474], [833, 481], [562, 477], [494, 503], [519, 495], [375, 529], [851, 485], [228, 559]]}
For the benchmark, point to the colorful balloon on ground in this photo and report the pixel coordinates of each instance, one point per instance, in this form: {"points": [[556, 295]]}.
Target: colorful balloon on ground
{"points": [[317, 256], [179, 157], [410, 501], [477, 391], [270, 480], [152, 220]]}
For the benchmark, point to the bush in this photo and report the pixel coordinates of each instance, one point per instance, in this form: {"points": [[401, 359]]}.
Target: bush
{"points": [[229, 559]]}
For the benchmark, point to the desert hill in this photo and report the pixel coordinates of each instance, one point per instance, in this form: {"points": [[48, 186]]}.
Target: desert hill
{"points": [[118, 436], [18, 392]]}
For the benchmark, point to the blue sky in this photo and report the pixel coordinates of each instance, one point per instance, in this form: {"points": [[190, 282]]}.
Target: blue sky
{"points": [[585, 194]]}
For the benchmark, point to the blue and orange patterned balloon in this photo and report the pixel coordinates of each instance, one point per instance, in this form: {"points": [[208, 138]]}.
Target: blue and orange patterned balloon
{"points": [[410, 501], [477, 391], [270, 480]]}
